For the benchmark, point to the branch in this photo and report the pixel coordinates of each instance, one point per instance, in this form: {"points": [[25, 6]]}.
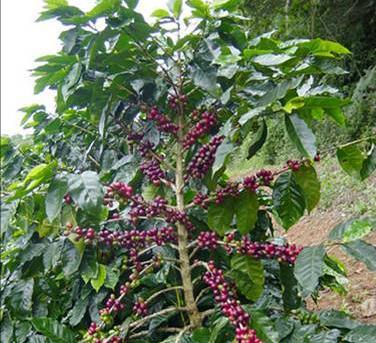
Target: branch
{"points": [[141, 321], [163, 291]]}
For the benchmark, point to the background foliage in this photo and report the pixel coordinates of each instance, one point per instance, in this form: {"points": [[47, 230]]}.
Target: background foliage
{"points": [[268, 92]]}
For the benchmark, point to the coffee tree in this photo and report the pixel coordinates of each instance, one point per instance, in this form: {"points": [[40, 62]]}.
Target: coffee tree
{"points": [[119, 220]]}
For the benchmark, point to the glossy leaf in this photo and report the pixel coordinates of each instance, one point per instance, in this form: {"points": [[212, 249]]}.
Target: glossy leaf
{"points": [[53, 330], [309, 267], [363, 252], [248, 274], [246, 208], [55, 196], [301, 135], [86, 190], [351, 160], [362, 333], [288, 199], [369, 164], [306, 178], [264, 327], [220, 216], [98, 282], [259, 140]]}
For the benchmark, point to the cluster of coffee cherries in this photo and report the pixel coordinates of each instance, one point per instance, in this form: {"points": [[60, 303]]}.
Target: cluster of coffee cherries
{"points": [[145, 147], [140, 308], [87, 234], [260, 250], [231, 189], [134, 136], [287, 253], [229, 305], [201, 200], [208, 240], [294, 164], [113, 305], [203, 159], [174, 101], [164, 124], [175, 216], [94, 333], [208, 120], [117, 188], [151, 168]]}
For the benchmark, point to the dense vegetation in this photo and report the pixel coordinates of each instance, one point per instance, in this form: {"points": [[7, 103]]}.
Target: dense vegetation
{"points": [[119, 221]]}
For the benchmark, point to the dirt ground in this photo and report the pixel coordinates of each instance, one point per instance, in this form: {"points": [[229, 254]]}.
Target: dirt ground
{"points": [[313, 229]]}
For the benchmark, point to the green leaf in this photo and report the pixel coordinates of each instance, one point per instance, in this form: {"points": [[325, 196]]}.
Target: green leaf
{"points": [[51, 257], [89, 264], [309, 267], [112, 277], [201, 335], [98, 282], [205, 78], [160, 13], [246, 208], [225, 4], [220, 216], [319, 45], [301, 135], [86, 190], [352, 229], [288, 199], [53, 330], [361, 334], [175, 6], [290, 291], [71, 258], [351, 160], [251, 114], [217, 327], [264, 327], [330, 336], [55, 196], [6, 330], [363, 252], [369, 164], [248, 274], [78, 311], [272, 59], [307, 180], [259, 140], [337, 319], [52, 4], [103, 8], [221, 155]]}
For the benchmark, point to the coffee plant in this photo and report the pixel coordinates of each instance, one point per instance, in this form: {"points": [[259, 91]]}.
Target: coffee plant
{"points": [[119, 220]]}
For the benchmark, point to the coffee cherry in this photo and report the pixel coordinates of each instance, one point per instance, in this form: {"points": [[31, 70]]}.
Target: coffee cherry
{"points": [[201, 200], [203, 159], [294, 164], [153, 171], [265, 177], [140, 308], [229, 305], [164, 124], [174, 101], [68, 199], [145, 147], [207, 239], [208, 120], [317, 158], [231, 189]]}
